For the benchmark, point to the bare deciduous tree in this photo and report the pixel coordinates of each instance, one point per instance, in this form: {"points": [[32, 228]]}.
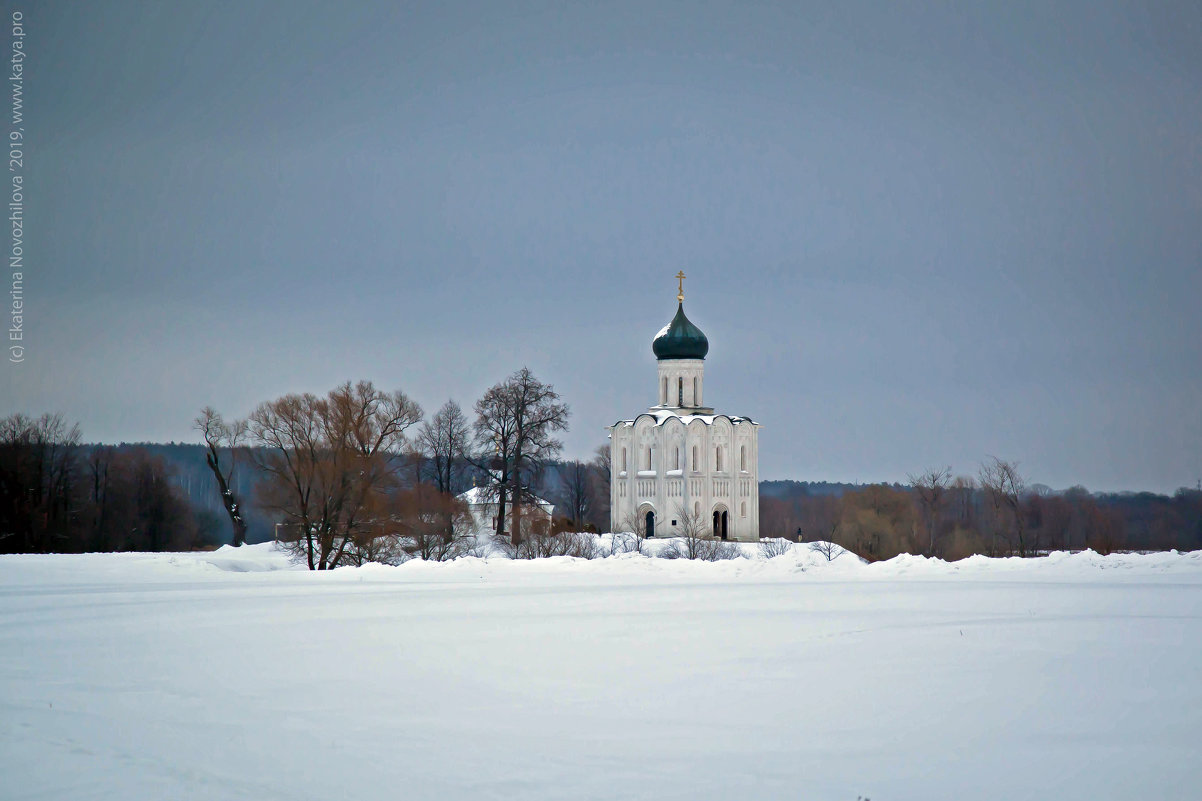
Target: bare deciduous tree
{"points": [[444, 441], [100, 463], [601, 475], [1004, 486], [931, 487], [576, 492], [695, 540], [516, 420], [693, 533], [222, 442], [150, 512], [828, 549], [494, 445], [633, 533], [327, 461], [37, 481]]}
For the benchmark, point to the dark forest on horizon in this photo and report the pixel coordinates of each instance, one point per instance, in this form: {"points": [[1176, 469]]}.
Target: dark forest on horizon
{"points": [[162, 496]]}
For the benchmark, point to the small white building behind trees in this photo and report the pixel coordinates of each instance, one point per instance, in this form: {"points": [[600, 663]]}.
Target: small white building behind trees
{"points": [[679, 465], [482, 503]]}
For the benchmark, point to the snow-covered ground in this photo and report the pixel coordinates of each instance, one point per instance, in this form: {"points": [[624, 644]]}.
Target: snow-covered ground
{"points": [[233, 675]]}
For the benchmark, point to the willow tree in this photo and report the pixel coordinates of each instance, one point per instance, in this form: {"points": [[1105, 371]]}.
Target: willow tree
{"points": [[330, 464]]}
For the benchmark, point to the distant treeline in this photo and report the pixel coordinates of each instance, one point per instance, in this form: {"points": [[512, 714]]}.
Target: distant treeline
{"points": [[61, 495], [994, 513], [58, 494]]}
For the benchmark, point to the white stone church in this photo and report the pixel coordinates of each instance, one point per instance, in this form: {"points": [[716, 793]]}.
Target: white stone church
{"points": [[679, 464]]}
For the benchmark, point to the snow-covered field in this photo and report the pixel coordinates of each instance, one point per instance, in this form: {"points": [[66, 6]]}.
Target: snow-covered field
{"points": [[232, 675]]}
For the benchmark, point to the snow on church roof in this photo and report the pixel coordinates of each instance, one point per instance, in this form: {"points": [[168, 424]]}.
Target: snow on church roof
{"points": [[662, 416]]}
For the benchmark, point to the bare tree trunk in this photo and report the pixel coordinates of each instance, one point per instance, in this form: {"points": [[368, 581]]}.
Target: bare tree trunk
{"points": [[217, 434], [515, 534], [227, 498], [502, 496]]}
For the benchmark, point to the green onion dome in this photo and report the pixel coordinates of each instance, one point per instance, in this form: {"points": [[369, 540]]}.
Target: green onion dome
{"points": [[680, 339]]}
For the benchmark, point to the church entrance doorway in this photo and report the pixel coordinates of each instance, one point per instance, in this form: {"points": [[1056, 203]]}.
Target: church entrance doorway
{"points": [[650, 519], [721, 523]]}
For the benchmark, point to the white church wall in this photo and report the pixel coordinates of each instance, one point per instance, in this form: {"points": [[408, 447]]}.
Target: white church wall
{"points": [[681, 382], [655, 480], [681, 458]]}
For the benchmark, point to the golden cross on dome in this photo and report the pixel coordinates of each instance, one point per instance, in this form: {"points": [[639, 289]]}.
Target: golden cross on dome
{"points": [[680, 276]]}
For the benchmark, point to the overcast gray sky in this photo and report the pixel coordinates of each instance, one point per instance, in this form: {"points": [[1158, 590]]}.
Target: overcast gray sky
{"points": [[915, 233]]}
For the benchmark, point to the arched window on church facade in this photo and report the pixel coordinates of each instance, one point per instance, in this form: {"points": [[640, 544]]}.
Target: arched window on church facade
{"points": [[718, 459], [695, 459], [623, 459], [743, 458], [680, 392], [648, 465], [676, 458], [743, 509], [696, 398]]}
